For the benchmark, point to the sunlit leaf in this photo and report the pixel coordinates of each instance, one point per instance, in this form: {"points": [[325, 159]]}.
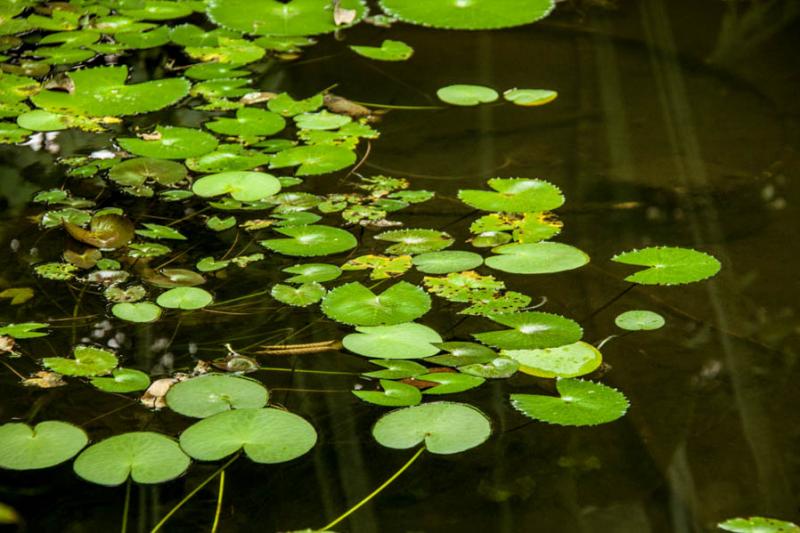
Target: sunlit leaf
{"points": [[207, 395], [568, 361], [758, 524], [314, 160], [309, 241], [272, 17], [312, 272], [531, 330], [87, 361], [415, 241], [514, 195], [123, 380], [669, 265], [639, 320], [536, 258], [468, 14], [447, 261], [300, 296], [355, 304], [186, 298], [530, 97], [450, 382], [467, 95], [396, 369], [388, 51], [245, 186], [394, 394], [137, 312], [47, 444], [400, 341], [249, 122], [581, 403]]}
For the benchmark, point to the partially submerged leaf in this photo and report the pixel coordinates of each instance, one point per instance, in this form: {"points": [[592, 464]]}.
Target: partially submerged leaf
{"points": [[137, 312], [106, 231], [530, 97], [24, 330], [186, 298], [388, 51], [123, 380], [396, 369], [394, 394], [87, 361], [272, 17], [299, 296], [244, 186], [468, 15], [758, 524], [514, 195]]}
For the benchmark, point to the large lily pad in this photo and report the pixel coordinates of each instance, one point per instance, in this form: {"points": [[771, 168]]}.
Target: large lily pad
{"points": [[400, 341], [568, 361], [468, 14], [447, 261], [536, 258], [531, 330], [272, 17], [357, 305], [47, 444], [245, 186], [310, 241], [415, 241], [249, 122], [87, 361], [170, 142], [314, 160], [582, 403], [669, 265], [514, 195], [136, 172], [207, 395]]}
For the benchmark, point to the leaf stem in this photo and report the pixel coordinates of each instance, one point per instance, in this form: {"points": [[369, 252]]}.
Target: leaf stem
{"points": [[127, 506], [402, 107], [608, 303], [219, 501], [376, 491]]}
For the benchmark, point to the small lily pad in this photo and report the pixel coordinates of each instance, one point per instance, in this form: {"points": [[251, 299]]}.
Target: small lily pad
{"points": [[314, 160], [451, 382], [123, 380], [400, 341], [758, 524], [531, 330], [582, 403], [322, 120], [312, 272], [639, 320], [136, 172], [288, 106], [463, 353], [514, 195], [47, 444], [497, 368], [530, 97], [309, 241], [302, 295], [87, 361], [158, 231], [447, 261], [356, 304], [467, 95], [415, 241], [137, 312], [669, 265], [186, 298], [568, 361], [207, 395], [169, 142], [537, 258], [249, 122], [24, 330], [396, 369], [394, 394], [244, 186], [388, 51]]}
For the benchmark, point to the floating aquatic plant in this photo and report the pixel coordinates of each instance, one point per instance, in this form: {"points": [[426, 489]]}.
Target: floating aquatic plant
{"points": [[357, 305], [86, 361], [271, 17], [530, 97], [469, 14], [638, 320], [137, 311], [581, 403], [467, 95], [204, 396], [394, 394], [568, 361], [186, 298], [122, 380], [531, 330], [170, 142], [389, 50], [669, 265], [758, 524], [400, 341], [47, 444]]}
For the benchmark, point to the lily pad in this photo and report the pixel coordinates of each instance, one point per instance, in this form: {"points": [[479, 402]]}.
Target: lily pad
{"points": [[463, 353], [88, 361], [536, 258], [322, 120], [467, 95], [106, 231], [145, 456], [123, 380], [47, 444], [451, 382], [249, 122], [530, 97], [169, 142], [582, 403], [400, 341], [272, 17], [415, 241], [314, 160], [396, 369], [568, 361], [312, 272], [447, 261], [187, 298], [468, 14], [497, 368], [444, 427], [300, 296], [531, 330], [158, 231], [669, 265], [309, 241], [639, 320], [388, 51], [394, 394], [137, 312], [207, 395], [288, 106], [356, 304], [136, 172], [758, 524], [514, 195], [244, 186], [24, 330], [267, 436]]}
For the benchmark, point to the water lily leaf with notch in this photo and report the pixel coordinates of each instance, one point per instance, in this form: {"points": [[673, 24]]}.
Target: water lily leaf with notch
{"points": [[530, 97], [288, 107], [498, 368], [123, 380], [394, 394], [415, 241], [101, 91], [186, 298], [245, 186], [322, 120], [467, 95], [639, 320], [272, 17], [135, 172], [147, 249], [469, 14], [15, 88], [447, 261], [758, 524], [450, 382], [490, 239], [171, 142], [399, 341], [462, 354], [484, 304], [396, 369], [582, 403], [214, 71], [216, 223], [235, 52], [357, 305], [312, 272], [41, 120], [444, 427], [227, 158], [388, 51], [309, 241], [145, 456], [141, 312], [47, 444], [106, 232], [157, 231], [25, 330], [531, 330], [216, 90], [267, 436], [209, 264], [192, 35], [299, 296], [249, 122], [314, 160], [141, 40], [88, 361], [382, 267], [536, 258], [514, 195], [669, 265], [568, 361], [207, 395], [156, 10]]}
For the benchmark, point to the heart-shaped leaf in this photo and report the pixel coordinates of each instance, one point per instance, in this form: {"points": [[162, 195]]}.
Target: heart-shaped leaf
{"points": [[123, 380], [394, 394], [187, 298], [582, 403], [639, 320], [536, 258], [357, 305], [388, 51], [396, 369], [88, 361], [400, 341], [170, 142], [669, 265], [569, 361], [47, 444], [530, 97], [207, 395], [137, 312], [241, 185], [514, 195], [450, 382], [531, 330], [314, 240]]}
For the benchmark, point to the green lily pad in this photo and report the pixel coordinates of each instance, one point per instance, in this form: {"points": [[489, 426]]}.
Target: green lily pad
{"points": [[497, 368], [25, 330], [582, 403], [568, 361], [467, 95], [388, 51], [101, 91], [41, 120], [207, 395], [267, 436], [396, 369], [123, 380], [447, 261], [451, 382], [187, 298], [531, 330], [209, 264], [249, 122], [400, 341], [137, 312], [514, 195], [289, 107], [669, 265], [157, 231], [415, 241], [394, 394], [314, 160], [107, 231], [463, 353], [11, 133], [170, 142], [157, 10], [144, 456], [232, 51], [47, 444], [357, 305], [300, 296], [271, 17], [245, 186], [87, 361], [136, 172], [758, 524], [468, 14], [639, 320], [322, 120], [530, 97], [312, 272], [216, 223], [309, 241], [536, 258], [444, 427], [228, 158]]}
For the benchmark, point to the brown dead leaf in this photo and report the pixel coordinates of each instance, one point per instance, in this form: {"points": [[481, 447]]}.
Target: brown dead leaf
{"points": [[257, 97], [342, 16], [44, 380], [343, 106], [155, 136], [153, 397], [419, 383], [6, 344]]}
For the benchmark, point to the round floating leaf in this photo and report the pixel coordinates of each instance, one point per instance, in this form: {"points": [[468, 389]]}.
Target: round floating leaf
{"points": [[47, 444], [447, 261], [314, 160], [467, 95], [187, 298], [288, 106], [228, 157], [582, 403], [531, 330], [357, 305], [394, 394], [415, 241], [244, 186], [669, 265], [323, 120], [157, 231], [530, 97], [388, 51], [267, 436], [137, 312], [25, 330], [88, 361], [209, 264], [569, 361], [272, 17], [463, 353], [135, 172], [309, 241], [758, 524], [207, 395], [396, 369], [249, 122], [639, 320], [536, 258], [401, 341], [451, 382], [171, 143], [106, 231], [498, 368], [123, 380], [514, 195], [444, 427], [313, 272], [144, 456], [468, 14], [300, 296]]}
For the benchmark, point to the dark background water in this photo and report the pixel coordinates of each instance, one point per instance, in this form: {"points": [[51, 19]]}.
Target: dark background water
{"points": [[667, 130]]}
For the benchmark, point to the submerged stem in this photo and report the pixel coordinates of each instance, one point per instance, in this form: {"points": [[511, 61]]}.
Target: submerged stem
{"points": [[219, 502], [376, 491], [127, 506], [609, 302]]}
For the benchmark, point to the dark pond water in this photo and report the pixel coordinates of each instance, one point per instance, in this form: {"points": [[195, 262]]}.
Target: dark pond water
{"points": [[664, 132]]}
